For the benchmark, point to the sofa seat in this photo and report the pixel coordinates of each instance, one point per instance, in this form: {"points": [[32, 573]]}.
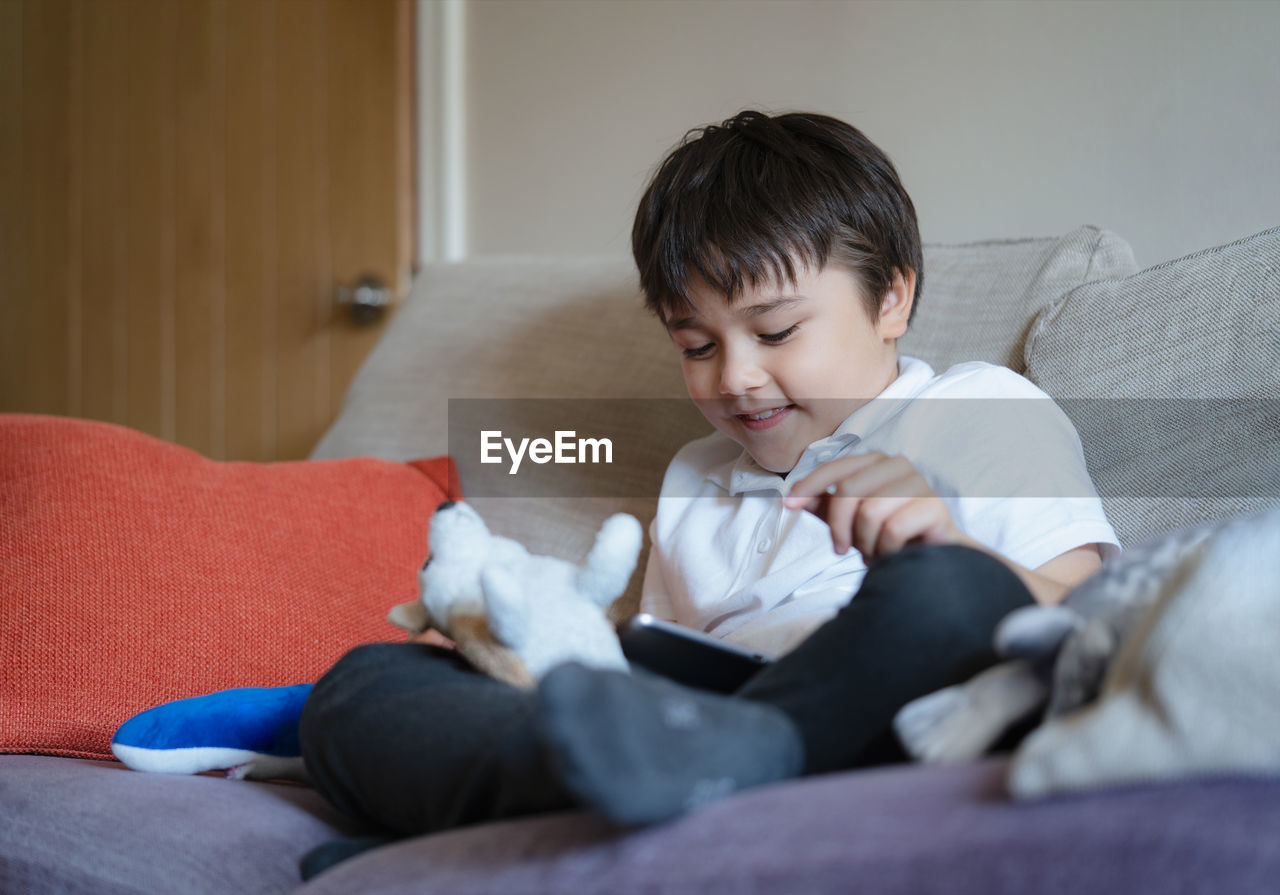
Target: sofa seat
{"points": [[888, 831], [78, 826], [878, 831]]}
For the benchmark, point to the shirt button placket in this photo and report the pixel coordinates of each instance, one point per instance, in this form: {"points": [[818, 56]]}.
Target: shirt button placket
{"points": [[767, 532]]}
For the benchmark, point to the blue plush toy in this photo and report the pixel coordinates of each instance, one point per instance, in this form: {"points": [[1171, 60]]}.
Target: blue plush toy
{"points": [[250, 732]]}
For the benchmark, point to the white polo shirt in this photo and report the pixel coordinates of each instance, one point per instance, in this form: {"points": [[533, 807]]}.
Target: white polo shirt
{"points": [[729, 559]]}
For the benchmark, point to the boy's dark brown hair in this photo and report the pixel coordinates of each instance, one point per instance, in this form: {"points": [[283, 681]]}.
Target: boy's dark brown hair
{"points": [[737, 203]]}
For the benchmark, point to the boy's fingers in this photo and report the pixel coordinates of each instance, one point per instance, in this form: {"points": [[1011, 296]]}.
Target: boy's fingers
{"points": [[842, 500], [872, 518], [821, 479], [837, 491], [911, 520], [793, 502], [882, 510], [855, 520], [839, 516]]}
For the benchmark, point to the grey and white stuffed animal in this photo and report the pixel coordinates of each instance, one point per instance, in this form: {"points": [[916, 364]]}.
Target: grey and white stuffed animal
{"points": [[515, 615], [1057, 656]]}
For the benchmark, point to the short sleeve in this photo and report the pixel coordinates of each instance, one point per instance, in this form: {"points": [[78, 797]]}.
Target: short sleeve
{"points": [[1009, 464]]}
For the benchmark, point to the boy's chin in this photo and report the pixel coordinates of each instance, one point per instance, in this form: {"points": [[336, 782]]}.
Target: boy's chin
{"points": [[779, 461]]}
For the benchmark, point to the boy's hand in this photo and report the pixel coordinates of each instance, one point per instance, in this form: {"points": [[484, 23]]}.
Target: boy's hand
{"points": [[875, 503]]}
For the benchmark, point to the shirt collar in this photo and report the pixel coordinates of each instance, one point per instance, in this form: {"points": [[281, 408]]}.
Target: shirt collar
{"points": [[743, 474]]}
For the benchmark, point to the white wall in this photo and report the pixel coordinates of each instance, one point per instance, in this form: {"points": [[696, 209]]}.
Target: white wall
{"points": [[1154, 118]]}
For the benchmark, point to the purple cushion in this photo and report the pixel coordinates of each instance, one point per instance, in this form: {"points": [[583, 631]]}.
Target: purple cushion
{"points": [[73, 826], [907, 830]]}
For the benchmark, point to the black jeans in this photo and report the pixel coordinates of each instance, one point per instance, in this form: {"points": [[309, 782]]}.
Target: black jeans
{"points": [[411, 739]]}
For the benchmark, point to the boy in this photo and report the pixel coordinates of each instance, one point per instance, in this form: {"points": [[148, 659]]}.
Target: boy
{"points": [[783, 257], [817, 298]]}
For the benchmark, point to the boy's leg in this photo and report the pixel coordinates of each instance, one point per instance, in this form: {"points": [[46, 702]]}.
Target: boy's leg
{"points": [[923, 619], [410, 739]]}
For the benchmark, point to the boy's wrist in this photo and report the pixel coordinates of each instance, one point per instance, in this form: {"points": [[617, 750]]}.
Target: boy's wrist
{"points": [[1066, 570]]}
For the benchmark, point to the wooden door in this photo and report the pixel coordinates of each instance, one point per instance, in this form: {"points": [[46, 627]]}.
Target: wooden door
{"points": [[182, 184]]}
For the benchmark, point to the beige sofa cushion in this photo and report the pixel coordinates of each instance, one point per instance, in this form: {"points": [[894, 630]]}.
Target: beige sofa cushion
{"points": [[1172, 377], [574, 327], [980, 298]]}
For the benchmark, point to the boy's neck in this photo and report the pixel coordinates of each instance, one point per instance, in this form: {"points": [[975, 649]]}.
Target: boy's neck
{"points": [[894, 369]]}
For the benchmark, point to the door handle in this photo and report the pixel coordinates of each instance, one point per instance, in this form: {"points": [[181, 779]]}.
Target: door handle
{"points": [[367, 301]]}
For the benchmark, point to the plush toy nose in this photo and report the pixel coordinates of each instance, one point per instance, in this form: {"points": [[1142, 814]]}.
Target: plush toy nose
{"points": [[445, 505]]}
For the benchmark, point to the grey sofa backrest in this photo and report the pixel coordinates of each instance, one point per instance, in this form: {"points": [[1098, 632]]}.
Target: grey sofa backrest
{"points": [[1172, 377], [981, 299]]}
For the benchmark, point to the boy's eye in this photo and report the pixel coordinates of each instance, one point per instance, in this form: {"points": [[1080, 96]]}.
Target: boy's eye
{"points": [[767, 338], [778, 337]]}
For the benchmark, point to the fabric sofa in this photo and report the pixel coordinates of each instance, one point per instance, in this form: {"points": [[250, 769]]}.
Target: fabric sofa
{"points": [[1141, 360]]}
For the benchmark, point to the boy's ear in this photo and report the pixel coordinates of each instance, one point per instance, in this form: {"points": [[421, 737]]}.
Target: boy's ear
{"points": [[895, 306]]}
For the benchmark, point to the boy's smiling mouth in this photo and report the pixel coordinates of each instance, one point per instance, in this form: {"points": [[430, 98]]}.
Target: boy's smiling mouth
{"points": [[765, 419]]}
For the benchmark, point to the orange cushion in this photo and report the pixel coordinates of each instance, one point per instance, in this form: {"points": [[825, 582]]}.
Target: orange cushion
{"points": [[135, 572]]}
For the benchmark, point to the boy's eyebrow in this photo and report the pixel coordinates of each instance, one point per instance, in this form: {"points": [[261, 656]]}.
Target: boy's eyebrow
{"points": [[766, 307]]}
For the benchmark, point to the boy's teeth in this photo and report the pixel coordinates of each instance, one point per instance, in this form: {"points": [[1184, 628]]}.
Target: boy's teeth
{"points": [[766, 414]]}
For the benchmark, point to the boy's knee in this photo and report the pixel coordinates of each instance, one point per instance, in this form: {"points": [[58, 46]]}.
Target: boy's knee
{"points": [[935, 561], [350, 686], [344, 680], [923, 574], [371, 657], [371, 663], [364, 656], [355, 700]]}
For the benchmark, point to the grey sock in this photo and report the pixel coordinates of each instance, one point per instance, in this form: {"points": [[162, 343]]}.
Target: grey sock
{"points": [[643, 749]]}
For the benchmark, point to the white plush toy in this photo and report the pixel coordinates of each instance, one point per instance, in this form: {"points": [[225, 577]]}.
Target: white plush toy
{"points": [[515, 615], [1057, 657]]}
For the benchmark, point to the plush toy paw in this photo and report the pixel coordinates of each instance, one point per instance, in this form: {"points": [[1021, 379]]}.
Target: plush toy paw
{"points": [[961, 723], [251, 732]]}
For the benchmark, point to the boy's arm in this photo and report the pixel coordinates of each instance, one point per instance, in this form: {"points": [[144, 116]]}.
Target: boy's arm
{"points": [[1051, 581], [880, 504]]}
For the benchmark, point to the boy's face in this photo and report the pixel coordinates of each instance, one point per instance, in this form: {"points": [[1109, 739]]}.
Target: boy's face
{"points": [[784, 366]]}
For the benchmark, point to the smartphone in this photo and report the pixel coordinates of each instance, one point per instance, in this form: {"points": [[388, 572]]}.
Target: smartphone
{"points": [[687, 656]]}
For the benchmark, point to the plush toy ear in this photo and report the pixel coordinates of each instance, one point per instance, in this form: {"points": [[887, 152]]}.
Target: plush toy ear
{"points": [[411, 616], [1035, 632], [507, 604], [611, 560]]}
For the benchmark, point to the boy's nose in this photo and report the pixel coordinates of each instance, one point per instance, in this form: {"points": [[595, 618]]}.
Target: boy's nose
{"points": [[738, 375]]}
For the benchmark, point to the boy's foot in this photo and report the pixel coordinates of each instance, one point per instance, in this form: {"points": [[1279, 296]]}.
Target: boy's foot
{"points": [[643, 749]]}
